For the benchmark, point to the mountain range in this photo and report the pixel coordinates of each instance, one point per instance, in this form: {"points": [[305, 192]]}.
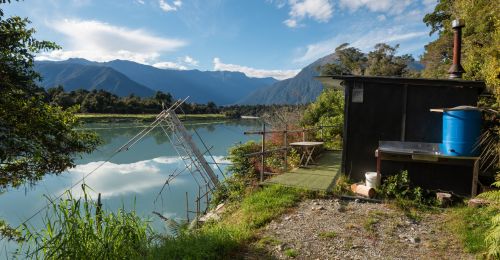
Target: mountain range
{"points": [[301, 89], [123, 78]]}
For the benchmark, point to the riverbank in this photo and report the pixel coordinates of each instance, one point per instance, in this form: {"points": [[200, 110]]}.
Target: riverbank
{"points": [[104, 118]]}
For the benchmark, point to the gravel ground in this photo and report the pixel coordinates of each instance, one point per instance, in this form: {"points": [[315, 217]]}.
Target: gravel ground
{"points": [[333, 229]]}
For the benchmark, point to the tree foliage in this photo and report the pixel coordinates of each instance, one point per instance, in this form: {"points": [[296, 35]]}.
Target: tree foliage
{"points": [[481, 41], [350, 61], [36, 138], [382, 61], [327, 110]]}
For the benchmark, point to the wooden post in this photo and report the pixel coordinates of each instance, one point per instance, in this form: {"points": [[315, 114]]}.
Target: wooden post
{"points": [[187, 207], [262, 157], [303, 134], [285, 143], [475, 174], [321, 131]]}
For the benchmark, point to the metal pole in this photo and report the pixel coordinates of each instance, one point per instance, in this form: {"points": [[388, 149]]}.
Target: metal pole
{"points": [[206, 194], [285, 142], [263, 147], [198, 202], [187, 207]]}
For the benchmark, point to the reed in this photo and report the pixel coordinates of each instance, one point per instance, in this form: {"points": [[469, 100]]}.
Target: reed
{"points": [[78, 228]]}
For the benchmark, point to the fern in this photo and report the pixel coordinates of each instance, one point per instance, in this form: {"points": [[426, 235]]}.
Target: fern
{"points": [[493, 238], [494, 195]]}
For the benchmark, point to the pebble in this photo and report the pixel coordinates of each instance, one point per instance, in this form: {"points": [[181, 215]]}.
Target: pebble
{"points": [[415, 240]]}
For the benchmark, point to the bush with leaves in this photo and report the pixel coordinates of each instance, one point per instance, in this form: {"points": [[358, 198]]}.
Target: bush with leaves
{"points": [[245, 170], [398, 187], [327, 110]]}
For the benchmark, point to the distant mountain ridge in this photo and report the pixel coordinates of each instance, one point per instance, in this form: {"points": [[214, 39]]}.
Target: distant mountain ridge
{"points": [[301, 89], [75, 76], [126, 77]]}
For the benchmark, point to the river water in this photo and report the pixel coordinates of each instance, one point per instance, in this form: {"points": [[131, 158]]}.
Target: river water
{"points": [[133, 178]]}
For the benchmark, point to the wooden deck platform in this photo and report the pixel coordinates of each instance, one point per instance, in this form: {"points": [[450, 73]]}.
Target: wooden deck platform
{"points": [[321, 177]]}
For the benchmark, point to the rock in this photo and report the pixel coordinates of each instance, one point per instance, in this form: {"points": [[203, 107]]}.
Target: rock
{"points": [[356, 200], [476, 203], [444, 199], [415, 240]]}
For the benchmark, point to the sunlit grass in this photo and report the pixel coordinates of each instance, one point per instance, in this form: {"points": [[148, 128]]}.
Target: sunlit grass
{"points": [[235, 230], [471, 225]]}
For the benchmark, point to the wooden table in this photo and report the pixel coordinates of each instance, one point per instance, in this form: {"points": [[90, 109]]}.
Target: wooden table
{"points": [[431, 158], [307, 150]]}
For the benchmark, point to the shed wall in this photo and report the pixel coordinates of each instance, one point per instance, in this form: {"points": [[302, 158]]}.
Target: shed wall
{"points": [[393, 112]]}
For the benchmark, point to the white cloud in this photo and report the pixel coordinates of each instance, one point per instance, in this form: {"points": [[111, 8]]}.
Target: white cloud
{"points": [[183, 63], [113, 179], [98, 41], [169, 7], [189, 60], [389, 6], [319, 10], [170, 65], [363, 41], [381, 18], [117, 179], [178, 3], [252, 72], [290, 23], [140, 1]]}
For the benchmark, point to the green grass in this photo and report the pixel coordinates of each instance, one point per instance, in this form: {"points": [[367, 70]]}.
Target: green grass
{"points": [[89, 117], [471, 225], [235, 231], [268, 241], [369, 223], [328, 234], [291, 253], [264, 205]]}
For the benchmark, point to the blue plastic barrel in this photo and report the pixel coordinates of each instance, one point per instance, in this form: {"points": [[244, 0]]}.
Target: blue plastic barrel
{"points": [[461, 130]]}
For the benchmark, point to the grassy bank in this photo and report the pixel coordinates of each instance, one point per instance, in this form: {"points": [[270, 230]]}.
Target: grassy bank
{"points": [[472, 226], [89, 118], [238, 227]]}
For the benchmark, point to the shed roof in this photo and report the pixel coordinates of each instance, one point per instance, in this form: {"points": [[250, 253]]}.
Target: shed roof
{"points": [[334, 81]]}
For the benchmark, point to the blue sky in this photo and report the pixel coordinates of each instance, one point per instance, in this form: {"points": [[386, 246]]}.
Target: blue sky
{"points": [[258, 37]]}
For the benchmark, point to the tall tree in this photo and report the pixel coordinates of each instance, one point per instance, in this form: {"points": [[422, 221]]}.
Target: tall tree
{"points": [[349, 61], [383, 61], [36, 138]]}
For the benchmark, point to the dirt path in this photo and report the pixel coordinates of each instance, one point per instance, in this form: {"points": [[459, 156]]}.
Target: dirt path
{"points": [[333, 229]]}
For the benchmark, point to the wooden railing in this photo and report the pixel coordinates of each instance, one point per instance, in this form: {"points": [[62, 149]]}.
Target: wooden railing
{"points": [[285, 146]]}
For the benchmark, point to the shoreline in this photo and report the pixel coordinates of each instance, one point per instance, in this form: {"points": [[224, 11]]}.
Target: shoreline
{"points": [[104, 118]]}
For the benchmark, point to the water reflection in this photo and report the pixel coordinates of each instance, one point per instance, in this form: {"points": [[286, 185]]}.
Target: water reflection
{"points": [[132, 178]]}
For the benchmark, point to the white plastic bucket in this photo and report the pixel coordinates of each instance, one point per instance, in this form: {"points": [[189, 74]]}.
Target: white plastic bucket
{"points": [[372, 179]]}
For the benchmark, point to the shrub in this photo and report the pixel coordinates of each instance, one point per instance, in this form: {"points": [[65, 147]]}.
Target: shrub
{"points": [[327, 110], [398, 187]]}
